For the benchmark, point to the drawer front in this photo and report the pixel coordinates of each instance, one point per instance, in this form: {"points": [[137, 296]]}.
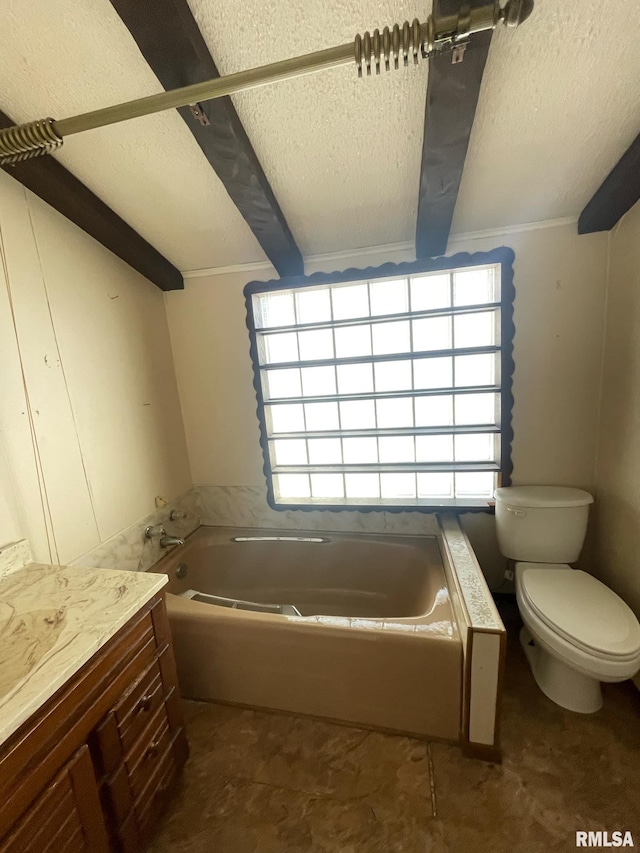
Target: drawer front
{"points": [[139, 705], [153, 800], [117, 794], [148, 752], [107, 738]]}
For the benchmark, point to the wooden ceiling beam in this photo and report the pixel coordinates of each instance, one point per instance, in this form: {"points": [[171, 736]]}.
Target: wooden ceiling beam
{"points": [[49, 180], [452, 97], [617, 194], [169, 39]]}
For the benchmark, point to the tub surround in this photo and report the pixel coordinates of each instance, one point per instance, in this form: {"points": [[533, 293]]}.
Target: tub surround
{"points": [[14, 556], [52, 620], [483, 642], [130, 551], [246, 506], [478, 602]]}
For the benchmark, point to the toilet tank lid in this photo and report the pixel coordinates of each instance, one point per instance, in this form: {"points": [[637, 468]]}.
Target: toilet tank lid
{"points": [[542, 496]]}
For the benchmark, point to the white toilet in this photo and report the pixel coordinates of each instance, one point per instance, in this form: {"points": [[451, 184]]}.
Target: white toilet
{"points": [[577, 632]]}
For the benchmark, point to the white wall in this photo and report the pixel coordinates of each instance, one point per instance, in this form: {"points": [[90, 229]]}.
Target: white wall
{"points": [[617, 528], [559, 280], [10, 526], [90, 423]]}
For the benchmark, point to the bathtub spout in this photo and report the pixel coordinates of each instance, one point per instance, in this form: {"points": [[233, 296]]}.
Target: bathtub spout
{"points": [[167, 541]]}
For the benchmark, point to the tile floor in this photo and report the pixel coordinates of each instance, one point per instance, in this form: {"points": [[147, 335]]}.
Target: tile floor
{"points": [[270, 783]]}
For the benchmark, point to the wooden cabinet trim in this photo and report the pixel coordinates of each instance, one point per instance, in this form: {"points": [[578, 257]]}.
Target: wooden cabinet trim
{"points": [[87, 800]]}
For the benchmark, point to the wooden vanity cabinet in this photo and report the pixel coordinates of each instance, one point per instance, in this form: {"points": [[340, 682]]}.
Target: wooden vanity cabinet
{"points": [[93, 768]]}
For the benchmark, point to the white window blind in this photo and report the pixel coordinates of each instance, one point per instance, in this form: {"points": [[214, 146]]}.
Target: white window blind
{"points": [[382, 392]]}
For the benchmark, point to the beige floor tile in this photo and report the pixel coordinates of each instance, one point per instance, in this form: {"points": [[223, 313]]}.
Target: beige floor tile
{"points": [[269, 782]]}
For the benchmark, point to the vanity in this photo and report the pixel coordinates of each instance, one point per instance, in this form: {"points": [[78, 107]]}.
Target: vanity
{"points": [[92, 738]]}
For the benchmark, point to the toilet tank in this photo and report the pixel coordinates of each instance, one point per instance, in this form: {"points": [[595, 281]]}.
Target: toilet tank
{"points": [[541, 524]]}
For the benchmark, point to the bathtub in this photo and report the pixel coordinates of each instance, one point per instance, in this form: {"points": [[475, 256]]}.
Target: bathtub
{"points": [[368, 635], [358, 628]]}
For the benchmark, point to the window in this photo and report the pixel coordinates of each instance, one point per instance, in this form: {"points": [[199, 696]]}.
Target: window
{"points": [[389, 390]]}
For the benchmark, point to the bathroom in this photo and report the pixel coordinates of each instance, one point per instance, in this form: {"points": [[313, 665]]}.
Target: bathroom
{"points": [[128, 402]]}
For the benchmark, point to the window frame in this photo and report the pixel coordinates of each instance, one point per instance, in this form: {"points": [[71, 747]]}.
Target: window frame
{"points": [[502, 257]]}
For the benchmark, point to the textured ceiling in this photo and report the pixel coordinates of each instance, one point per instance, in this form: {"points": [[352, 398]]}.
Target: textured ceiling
{"points": [[63, 57], [342, 154], [560, 103]]}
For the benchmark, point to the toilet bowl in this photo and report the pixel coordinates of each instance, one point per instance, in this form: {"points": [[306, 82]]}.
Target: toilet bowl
{"points": [[577, 632]]}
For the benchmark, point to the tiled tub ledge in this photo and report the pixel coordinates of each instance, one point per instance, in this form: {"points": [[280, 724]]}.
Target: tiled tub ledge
{"points": [[484, 642]]}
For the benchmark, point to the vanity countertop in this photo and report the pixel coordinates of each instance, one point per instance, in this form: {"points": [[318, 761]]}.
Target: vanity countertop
{"points": [[52, 620]]}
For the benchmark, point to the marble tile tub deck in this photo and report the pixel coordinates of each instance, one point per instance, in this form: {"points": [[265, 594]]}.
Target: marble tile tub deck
{"points": [[269, 783]]}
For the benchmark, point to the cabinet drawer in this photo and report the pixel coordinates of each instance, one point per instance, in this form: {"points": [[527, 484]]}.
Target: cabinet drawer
{"points": [[116, 793], [153, 800], [148, 752], [133, 832], [139, 705]]}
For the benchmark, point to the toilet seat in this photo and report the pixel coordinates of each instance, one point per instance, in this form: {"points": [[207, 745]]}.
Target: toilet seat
{"points": [[581, 609]]}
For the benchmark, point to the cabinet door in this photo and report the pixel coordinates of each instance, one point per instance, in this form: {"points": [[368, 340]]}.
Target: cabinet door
{"points": [[65, 817]]}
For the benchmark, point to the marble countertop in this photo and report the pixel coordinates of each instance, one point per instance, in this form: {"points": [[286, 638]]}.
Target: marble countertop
{"points": [[52, 620]]}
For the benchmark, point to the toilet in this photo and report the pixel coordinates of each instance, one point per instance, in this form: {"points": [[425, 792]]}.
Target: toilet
{"points": [[577, 632]]}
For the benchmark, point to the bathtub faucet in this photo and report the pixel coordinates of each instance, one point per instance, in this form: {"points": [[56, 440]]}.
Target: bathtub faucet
{"points": [[166, 540]]}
